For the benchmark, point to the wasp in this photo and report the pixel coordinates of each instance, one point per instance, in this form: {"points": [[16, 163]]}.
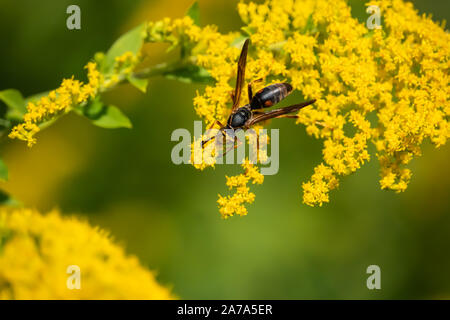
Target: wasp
{"points": [[250, 114]]}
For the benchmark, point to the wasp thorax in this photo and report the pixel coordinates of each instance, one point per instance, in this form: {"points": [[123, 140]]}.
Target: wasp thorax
{"points": [[239, 118]]}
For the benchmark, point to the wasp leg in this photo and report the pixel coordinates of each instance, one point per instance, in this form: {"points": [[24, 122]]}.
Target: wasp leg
{"points": [[214, 123], [234, 146], [232, 95], [212, 126], [226, 151], [250, 91], [236, 135]]}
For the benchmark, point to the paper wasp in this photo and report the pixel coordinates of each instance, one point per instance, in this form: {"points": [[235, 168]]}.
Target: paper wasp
{"points": [[248, 115]]}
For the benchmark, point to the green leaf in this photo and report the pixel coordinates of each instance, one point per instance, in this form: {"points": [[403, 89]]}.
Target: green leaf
{"points": [[248, 30], [194, 13], [238, 42], [104, 116], [3, 171], [130, 41], [15, 103], [112, 118], [6, 199], [139, 83], [190, 73]]}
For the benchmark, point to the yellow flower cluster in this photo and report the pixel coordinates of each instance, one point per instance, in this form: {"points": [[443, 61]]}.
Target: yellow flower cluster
{"points": [[203, 157], [234, 204], [36, 250], [71, 92], [123, 67], [387, 86], [413, 55], [212, 51]]}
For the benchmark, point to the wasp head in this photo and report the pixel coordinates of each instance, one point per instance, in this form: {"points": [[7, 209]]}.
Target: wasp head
{"points": [[239, 117]]}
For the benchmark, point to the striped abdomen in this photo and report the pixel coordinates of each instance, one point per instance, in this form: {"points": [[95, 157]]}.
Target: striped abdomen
{"points": [[270, 95]]}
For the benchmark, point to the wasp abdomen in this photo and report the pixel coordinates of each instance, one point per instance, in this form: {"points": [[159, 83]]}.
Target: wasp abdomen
{"points": [[270, 95]]}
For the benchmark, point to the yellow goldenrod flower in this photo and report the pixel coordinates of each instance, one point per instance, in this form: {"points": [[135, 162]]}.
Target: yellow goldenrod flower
{"points": [[36, 251], [397, 74], [234, 204], [123, 67], [69, 94], [387, 87], [389, 84]]}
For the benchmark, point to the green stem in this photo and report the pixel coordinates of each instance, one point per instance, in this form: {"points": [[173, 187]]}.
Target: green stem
{"points": [[160, 69], [164, 68]]}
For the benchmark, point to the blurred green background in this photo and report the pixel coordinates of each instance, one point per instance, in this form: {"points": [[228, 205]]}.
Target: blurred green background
{"points": [[124, 181]]}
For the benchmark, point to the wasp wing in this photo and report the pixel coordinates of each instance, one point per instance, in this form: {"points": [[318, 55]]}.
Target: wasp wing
{"points": [[277, 112], [240, 76]]}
